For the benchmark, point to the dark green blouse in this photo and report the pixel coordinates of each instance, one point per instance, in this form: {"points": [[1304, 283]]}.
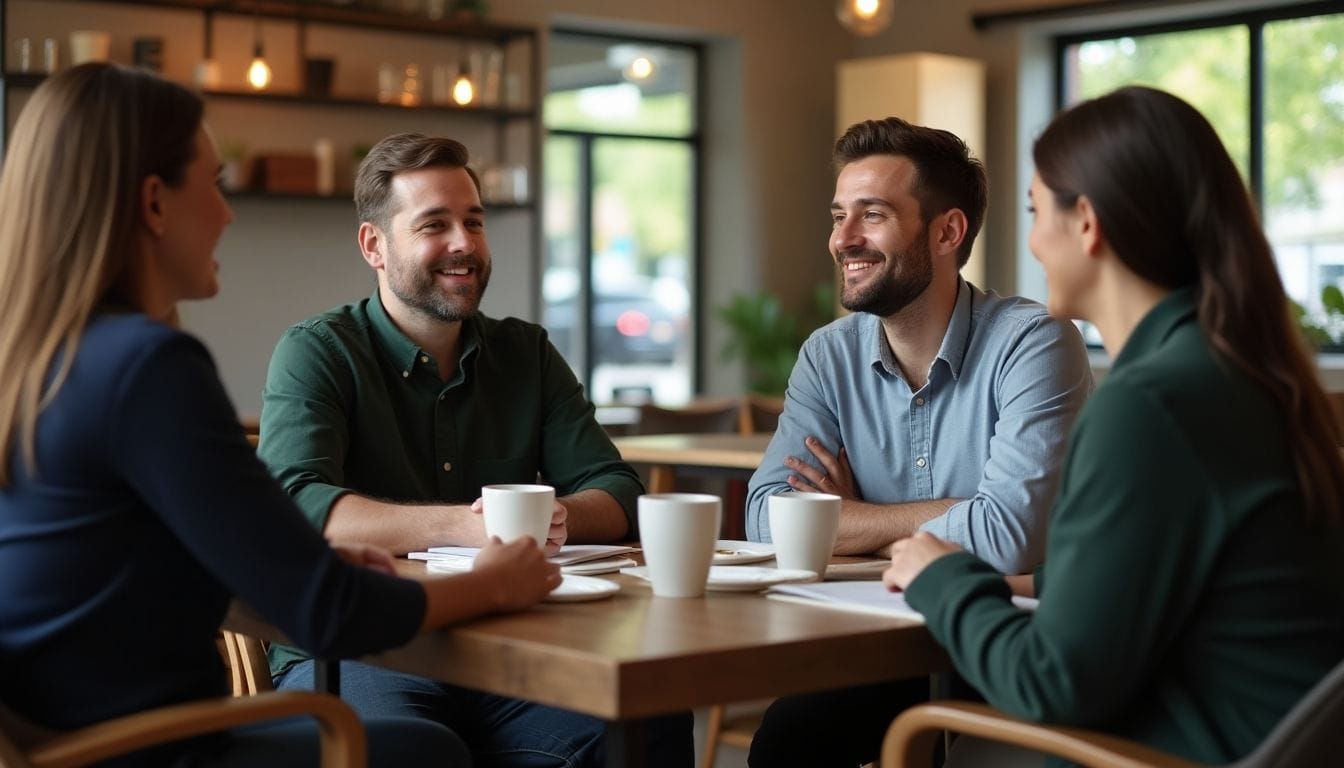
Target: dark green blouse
{"points": [[1188, 605]]}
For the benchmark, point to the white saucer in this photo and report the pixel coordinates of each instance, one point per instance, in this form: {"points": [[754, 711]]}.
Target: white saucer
{"points": [[730, 552], [738, 578], [574, 589]]}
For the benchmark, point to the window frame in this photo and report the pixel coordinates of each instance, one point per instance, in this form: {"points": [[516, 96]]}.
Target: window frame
{"points": [[693, 140], [1254, 19]]}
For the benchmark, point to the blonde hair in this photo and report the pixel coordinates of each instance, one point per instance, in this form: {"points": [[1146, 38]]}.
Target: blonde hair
{"points": [[69, 213]]}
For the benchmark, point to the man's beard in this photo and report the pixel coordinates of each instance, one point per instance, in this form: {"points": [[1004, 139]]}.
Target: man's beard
{"points": [[417, 288], [903, 279]]}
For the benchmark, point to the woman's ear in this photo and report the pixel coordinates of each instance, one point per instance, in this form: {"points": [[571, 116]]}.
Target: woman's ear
{"points": [[151, 204], [1088, 227]]}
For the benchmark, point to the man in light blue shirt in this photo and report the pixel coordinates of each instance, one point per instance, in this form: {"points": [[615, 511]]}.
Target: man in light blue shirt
{"points": [[934, 406]]}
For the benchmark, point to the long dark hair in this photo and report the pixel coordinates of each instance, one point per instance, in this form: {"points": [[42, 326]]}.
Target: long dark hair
{"points": [[1172, 206], [69, 201]]}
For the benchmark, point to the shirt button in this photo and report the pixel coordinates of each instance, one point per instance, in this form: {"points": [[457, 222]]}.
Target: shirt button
{"points": [[405, 374], [919, 401], [447, 466], [424, 358], [920, 462]]}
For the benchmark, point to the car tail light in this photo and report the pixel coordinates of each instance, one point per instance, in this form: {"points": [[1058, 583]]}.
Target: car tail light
{"points": [[632, 322]]}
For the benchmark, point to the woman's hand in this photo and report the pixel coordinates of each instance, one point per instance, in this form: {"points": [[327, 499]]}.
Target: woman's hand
{"points": [[518, 571], [366, 556], [909, 557]]}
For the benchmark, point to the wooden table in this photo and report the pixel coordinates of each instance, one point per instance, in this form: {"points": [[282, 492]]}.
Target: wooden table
{"points": [[634, 656], [722, 455], [733, 455]]}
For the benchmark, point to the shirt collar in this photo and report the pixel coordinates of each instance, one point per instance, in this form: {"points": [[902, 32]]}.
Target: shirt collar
{"points": [[955, 340], [1174, 310], [406, 354]]}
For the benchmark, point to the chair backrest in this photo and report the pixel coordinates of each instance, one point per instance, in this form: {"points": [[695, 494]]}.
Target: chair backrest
{"points": [[1310, 734], [699, 418], [248, 668], [760, 414]]}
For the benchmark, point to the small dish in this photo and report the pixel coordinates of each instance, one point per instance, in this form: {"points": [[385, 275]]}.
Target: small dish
{"points": [[575, 589], [738, 578], [730, 552]]}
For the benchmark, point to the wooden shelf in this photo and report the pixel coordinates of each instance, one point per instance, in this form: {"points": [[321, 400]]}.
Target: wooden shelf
{"points": [[345, 197], [347, 101], [351, 15], [32, 79]]}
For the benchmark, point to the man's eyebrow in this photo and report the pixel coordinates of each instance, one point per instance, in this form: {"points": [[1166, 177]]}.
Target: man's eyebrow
{"points": [[440, 210], [864, 201]]}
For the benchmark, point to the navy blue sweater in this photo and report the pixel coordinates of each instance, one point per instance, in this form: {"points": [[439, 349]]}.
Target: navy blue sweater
{"points": [[146, 511]]}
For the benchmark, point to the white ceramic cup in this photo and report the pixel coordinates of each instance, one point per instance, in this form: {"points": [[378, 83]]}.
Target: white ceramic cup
{"points": [[677, 532], [514, 511], [89, 45], [803, 528]]}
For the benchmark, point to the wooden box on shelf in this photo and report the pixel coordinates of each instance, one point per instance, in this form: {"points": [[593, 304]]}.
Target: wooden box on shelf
{"points": [[285, 173]]}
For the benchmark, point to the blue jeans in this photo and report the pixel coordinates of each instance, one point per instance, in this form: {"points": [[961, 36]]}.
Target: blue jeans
{"points": [[500, 732], [293, 743]]}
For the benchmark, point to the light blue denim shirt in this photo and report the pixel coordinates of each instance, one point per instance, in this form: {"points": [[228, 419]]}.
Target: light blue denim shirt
{"points": [[990, 426]]}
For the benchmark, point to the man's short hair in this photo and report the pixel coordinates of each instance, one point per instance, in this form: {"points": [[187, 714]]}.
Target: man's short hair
{"points": [[397, 154], [946, 175]]}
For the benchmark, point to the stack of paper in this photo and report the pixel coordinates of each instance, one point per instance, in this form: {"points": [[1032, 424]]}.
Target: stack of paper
{"points": [[572, 558], [861, 596]]}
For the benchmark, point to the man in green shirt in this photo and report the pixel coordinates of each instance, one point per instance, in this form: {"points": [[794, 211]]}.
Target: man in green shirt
{"points": [[384, 418]]}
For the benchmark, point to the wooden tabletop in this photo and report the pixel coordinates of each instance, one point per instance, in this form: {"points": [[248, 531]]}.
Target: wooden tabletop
{"points": [[726, 451], [634, 655]]}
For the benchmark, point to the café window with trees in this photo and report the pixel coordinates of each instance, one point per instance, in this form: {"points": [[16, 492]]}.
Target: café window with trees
{"points": [[1271, 82]]}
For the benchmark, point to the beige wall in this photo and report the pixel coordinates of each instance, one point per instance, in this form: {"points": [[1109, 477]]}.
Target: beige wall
{"points": [[767, 135]]}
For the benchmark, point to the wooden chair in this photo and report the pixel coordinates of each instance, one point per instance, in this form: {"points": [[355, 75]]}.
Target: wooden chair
{"points": [[705, 417], [1309, 735], [23, 745], [249, 671], [760, 414]]}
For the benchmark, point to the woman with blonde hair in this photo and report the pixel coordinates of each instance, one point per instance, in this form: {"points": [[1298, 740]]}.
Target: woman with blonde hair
{"points": [[1193, 590], [131, 506]]}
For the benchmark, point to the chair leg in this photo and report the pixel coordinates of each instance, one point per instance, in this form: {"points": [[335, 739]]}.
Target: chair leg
{"points": [[713, 727]]}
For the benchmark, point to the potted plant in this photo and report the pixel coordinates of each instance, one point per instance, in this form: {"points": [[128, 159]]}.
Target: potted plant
{"points": [[767, 337]]}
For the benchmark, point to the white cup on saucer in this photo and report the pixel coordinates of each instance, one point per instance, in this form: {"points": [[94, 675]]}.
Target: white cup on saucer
{"points": [[677, 532], [517, 510], [803, 527]]}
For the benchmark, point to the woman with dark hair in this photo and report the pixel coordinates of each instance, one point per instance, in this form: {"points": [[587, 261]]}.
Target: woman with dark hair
{"points": [[131, 506], [1195, 557]]}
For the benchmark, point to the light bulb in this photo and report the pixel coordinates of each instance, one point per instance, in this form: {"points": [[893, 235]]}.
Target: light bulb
{"points": [[463, 91], [640, 68], [259, 73], [864, 17]]}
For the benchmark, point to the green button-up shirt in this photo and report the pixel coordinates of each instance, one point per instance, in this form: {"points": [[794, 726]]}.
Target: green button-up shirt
{"points": [[352, 405], [1186, 602]]}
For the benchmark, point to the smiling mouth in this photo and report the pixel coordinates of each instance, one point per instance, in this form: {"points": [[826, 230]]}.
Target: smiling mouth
{"points": [[456, 271]]}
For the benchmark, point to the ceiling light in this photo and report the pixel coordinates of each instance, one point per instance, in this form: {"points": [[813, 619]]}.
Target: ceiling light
{"points": [[864, 17]]}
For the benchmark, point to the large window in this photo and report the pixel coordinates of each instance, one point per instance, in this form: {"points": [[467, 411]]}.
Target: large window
{"points": [[1272, 84], [620, 223]]}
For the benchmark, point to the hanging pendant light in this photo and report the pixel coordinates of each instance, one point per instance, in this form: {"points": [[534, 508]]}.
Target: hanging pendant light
{"points": [[258, 72], [864, 17], [464, 90]]}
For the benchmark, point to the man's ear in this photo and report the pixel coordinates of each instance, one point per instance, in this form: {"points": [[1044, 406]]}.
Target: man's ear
{"points": [[947, 231], [151, 204], [371, 245]]}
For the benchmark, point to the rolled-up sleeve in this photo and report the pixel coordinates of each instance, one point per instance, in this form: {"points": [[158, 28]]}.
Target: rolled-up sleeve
{"points": [[304, 429], [1042, 385], [806, 413]]}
